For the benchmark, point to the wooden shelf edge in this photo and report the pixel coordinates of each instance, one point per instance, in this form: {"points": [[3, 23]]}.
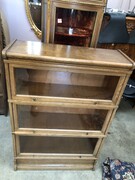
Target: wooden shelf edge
{"points": [[103, 104], [54, 156], [60, 133], [54, 167]]}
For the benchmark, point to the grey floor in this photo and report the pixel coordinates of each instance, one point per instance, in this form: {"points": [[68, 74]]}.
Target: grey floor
{"points": [[119, 144]]}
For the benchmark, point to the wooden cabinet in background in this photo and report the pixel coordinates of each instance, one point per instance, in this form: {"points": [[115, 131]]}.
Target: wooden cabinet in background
{"points": [[72, 22], [3, 94], [62, 100], [128, 49]]}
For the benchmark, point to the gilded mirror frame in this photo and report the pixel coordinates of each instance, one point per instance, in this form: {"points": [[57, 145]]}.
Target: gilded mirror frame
{"points": [[37, 31]]}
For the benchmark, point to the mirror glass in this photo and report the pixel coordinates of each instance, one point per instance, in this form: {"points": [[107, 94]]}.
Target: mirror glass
{"points": [[33, 10]]}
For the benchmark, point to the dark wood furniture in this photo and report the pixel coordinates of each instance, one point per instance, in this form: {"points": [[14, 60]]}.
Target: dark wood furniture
{"points": [[128, 49], [72, 22], [62, 100], [3, 94]]}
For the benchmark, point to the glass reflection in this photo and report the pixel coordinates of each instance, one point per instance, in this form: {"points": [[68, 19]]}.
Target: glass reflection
{"points": [[35, 10], [33, 48], [74, 27]]}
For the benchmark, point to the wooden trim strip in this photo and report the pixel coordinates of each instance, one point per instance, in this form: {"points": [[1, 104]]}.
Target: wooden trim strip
{"points": [[117, 92], [70, 61], [97, 147], [16, 63], [126, 56], [59, 133], [54, 156], [55, 167], [64, 103], [7, 48]]}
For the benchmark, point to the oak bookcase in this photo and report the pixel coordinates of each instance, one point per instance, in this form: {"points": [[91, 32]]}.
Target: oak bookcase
{"points": [[62, 100]]}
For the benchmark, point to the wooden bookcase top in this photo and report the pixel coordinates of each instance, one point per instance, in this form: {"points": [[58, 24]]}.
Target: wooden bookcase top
{"points": [[92, 2], [67, 54]]}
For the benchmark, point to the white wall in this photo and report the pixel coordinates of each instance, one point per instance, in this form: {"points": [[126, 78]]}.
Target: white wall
{"points": [[19, 27], [121, 4]]}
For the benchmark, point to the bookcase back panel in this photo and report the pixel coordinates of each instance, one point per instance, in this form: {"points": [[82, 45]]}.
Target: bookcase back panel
{"points": [[45, 117], [58, 145], [64, 84]]}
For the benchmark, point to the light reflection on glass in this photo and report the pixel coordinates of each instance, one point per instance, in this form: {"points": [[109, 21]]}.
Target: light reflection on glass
{"points": [[34, 48]]}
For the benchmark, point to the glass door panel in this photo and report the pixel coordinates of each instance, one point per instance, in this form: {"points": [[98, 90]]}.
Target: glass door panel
{"points": [[57, 145], [62, 83], [74, 27], [45, 117]]}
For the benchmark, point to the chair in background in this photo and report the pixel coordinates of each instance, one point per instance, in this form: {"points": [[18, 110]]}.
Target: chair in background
{"points": [[129, 92]]}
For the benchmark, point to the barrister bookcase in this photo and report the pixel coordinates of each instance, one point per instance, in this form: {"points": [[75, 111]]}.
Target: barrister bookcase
{"points": [[62, 100]]}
